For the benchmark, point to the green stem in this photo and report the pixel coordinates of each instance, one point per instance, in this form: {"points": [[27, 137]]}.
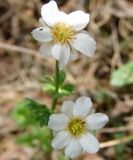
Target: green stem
{"points": [[57, 78]]}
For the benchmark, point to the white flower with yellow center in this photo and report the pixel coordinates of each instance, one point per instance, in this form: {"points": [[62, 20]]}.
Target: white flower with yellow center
{"points": [[62, 34], [74, 126]]}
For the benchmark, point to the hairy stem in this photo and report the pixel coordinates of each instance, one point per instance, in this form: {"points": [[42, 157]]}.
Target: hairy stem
{"points": [[57, 78]]}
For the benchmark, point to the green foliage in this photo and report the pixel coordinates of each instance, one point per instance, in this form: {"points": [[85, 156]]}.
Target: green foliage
{"points": [[40, 111], [36, 137], [37, 111], [121, 148], [33, 135], [29, 113], [120, 151], [122, 76], [65, 89], [49, 84], [23, 116], [63, 157]]}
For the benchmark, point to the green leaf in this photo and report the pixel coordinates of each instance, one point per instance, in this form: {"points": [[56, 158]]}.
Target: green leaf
{"points": [[122, 76], [24, 117], [40, 111], [49, 88], [49, 84], [37, 111], [66, 89], [69, 87], [48, 79], [35, 137]]}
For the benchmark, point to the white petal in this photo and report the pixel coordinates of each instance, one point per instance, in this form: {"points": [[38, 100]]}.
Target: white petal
{"points": [[46, 49], [58, 122], [82, 106], [61, 140], [74, 149], [62, 17], [67, 108], [78, 19], [96, 120], [61, 53], [51, 14], [85, 44], [42, 34], [89, 143]]}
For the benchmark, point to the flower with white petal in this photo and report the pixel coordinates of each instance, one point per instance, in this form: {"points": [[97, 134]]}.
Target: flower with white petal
{"points": [[74, 125], [62, 34]]}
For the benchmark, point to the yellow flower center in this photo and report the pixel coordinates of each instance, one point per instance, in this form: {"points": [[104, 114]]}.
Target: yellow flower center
{"points": [[63, 33], [76, 126]]}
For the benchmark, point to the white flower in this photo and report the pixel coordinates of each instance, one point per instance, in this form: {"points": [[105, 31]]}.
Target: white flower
{"points": [[74, 125], [62, 34]]}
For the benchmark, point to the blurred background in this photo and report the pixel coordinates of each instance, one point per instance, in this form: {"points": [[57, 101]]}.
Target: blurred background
{"points": [[107, 77]]}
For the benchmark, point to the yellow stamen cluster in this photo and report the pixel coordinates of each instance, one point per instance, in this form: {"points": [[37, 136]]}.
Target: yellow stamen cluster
{"points": [[76, 126], [63, 33]]}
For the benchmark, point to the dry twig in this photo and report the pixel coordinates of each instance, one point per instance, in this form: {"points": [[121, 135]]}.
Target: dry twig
{"points": [[19, 49], [118, 129], [116, 142]]}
